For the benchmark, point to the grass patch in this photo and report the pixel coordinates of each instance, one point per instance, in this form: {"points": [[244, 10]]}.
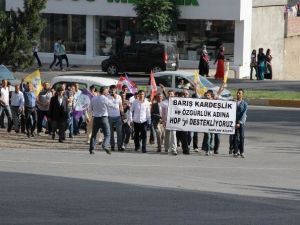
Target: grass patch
{"points": [[259, 94]]}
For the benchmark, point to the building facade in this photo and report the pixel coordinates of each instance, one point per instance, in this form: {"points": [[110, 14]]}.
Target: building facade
{"points": [[92, 28]]}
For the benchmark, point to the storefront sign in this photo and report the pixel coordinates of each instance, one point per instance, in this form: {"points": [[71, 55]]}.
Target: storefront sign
{"points": [[178, 2], [201, 115]]}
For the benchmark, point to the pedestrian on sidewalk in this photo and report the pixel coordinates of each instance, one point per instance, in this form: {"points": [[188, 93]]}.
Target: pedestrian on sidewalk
{"points": [[62, 53], [261, 64], [253, 64], [56, 54], [35, 50], [269, 71], [204, 62], [220, 61]]}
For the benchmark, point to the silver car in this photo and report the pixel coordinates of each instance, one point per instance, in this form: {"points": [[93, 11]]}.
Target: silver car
{"points": [[179, 80]]}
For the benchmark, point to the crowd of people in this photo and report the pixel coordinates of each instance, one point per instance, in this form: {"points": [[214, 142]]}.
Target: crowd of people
{"points": [[261, 63], [130, 116]]}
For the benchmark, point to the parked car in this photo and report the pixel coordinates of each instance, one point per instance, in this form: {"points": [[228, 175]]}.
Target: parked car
{"points": [[179, 80], [83, 81], [5, 74], [143, 57]]}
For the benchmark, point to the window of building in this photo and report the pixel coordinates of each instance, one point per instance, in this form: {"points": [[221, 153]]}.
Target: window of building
{"points": [[193, 34], [71, 28]]}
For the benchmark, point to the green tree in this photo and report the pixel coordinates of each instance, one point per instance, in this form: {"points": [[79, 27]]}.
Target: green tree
{"points": [[19, 30], [157, 16]]}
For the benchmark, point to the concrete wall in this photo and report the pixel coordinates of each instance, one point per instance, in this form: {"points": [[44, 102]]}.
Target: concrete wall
{"points": [[206, 9], [259, 3], [268, 32], [292, 58]]}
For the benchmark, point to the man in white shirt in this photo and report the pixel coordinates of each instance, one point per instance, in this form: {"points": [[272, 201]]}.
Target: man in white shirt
{"points": [[4, 103], [99, 107], [115, 118], [17, 108], [141, 117]]}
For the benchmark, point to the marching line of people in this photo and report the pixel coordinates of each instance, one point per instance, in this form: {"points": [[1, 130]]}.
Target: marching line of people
{"points": [[131, 116]]}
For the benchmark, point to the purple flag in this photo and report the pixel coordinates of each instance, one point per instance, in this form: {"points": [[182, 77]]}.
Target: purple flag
{"points": [[82, 104]]}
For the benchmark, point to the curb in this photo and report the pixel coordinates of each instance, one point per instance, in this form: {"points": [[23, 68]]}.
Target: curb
{"points": [[274, 102]]}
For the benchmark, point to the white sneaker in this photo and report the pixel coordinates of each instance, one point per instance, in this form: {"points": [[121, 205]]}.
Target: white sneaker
{"points": [[243, 155], [196, 150]]}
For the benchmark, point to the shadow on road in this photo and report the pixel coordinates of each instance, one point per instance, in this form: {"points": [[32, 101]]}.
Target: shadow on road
{"points": [[38, 199]]}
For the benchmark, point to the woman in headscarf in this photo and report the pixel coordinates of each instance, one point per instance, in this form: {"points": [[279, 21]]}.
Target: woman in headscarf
{"points": [[204, 62], [261, 64]]}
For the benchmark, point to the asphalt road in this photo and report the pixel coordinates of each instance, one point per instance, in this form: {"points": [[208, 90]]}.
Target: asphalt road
{"points": [[142, 79], [43, 182]]}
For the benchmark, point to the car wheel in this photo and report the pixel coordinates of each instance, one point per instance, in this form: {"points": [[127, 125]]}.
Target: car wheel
{"points": [[156, 69], [112, 69]]}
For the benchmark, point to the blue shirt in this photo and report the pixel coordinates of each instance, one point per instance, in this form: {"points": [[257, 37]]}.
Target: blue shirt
{"points": [[29, 99]]}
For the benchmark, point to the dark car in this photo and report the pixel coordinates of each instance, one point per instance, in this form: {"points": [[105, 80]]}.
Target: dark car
{"points": [[143, 57]]}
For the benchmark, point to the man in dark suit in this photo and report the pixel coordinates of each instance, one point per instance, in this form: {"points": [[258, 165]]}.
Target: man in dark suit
{"points": [[58, 114]]}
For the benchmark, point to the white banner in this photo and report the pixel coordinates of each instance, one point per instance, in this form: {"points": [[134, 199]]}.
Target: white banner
{"points": [[201, 115]]}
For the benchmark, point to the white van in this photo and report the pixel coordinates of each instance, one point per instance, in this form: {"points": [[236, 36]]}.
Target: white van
{"points": [[83, 81]]}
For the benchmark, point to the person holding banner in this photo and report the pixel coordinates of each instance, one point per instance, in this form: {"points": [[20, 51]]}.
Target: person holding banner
{"points": [[170, 135], [141, 117], [211, 141], [241, 115], [156, 116]]}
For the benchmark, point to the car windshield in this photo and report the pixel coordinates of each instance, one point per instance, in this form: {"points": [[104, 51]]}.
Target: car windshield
{"points": [[204, 81], [5, 74]]}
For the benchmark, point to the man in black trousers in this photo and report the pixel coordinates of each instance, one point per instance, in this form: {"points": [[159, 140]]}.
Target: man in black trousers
{"points": [[58, 114]]}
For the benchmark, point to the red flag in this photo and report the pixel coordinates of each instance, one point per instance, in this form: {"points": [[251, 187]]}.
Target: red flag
{"points": [[120, 82], [153, 86], [132, 87]]}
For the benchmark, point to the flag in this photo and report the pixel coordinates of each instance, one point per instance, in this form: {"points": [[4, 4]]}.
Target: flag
{"points": [[153, 86], [35, 79], [82, 104], [200, 89], [124, 80]]}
